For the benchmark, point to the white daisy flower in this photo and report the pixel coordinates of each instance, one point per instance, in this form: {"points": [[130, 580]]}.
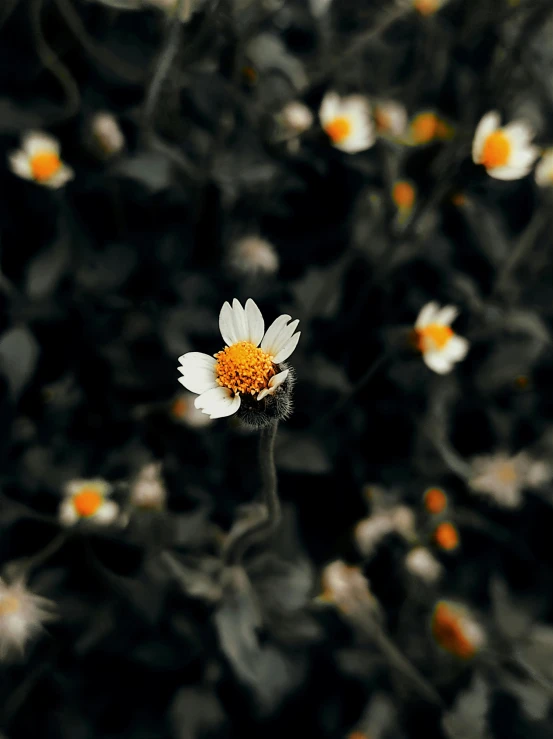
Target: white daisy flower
{"points": [[544, 170], [346, 587], [347, 122], [439, 344], [107, 134], [86, 499], [21, 616], [503, 478], [252, 256], [296, 117], [505, 152], [421, 563], [390, 118], [248, 366], [148, 491], [39, 160]]}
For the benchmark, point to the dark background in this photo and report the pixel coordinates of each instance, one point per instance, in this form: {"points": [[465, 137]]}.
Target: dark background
{"points": [[108, 280]]}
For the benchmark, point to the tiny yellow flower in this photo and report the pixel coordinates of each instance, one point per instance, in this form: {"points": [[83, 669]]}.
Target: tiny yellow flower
{"points": [[435, 339], [39, 160]]}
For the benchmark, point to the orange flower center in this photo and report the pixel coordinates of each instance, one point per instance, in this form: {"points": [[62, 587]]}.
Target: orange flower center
{"points": [[496, 151], [44, 165], [87, 502], [382, 119], [434, 336], [427, 7], [8, 604], [448, 632], [435, 500], [506, 472], [338, 129], [424, 127], [243, 368], [446, 536], [179, 408], [403, 195]]}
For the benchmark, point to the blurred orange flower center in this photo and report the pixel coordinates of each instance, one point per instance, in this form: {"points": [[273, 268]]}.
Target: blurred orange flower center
{"points": [[87, 502], [434, 336], [446, 536], [179, 407], [243, 368], [382, 119], [403, 195], [506, 472], [8, 604], [424, 127], [449, 634], [338, 129], [435, 500], [496, 151], [44, 165], [426, 7]]}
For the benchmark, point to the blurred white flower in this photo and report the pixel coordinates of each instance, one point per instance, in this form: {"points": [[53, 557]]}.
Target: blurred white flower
{"points": [[423, 564], [505, 152], [39, 160], [346, 587], [147, 490], [184, 410], [107, 134], [439, 345], [503, 478], [347, 122], [296, 117], [319, 7], [252, 255], [370, 531], [21, 616], [390, 118], [87, 500], [544, 170], [456, 630], [247, 365]]}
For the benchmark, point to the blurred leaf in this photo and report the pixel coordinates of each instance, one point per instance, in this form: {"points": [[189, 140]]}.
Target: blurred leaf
{"points": [[468, 717], [299, 453], [510, 617], [46, 270], [534, 699], [151, 170], [195, 713], [18, 355]]}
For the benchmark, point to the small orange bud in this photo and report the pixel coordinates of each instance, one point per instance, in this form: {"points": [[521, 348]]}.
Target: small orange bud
{"points": [[179, 407], [435, 500], [446, 536], [455, 631], [403, 195]]}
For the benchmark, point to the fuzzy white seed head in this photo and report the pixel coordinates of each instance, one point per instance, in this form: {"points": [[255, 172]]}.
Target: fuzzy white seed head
{"points": [[107, 134], [22, 615], [253, 256]]}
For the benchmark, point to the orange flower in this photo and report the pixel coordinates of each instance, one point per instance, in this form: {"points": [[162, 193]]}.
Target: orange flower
{"points": [[435, 500], [446, 536], [456, 631], [403, 195], [427, 127]]}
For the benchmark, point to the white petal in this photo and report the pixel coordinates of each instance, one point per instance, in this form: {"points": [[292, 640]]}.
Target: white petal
{"points": [[329, 108], [544, 170], [36, 142], [427, 315], [274, 382], [437, 362], [198, 380], [226, 324], [359, 140], [446, 315], [106, 513], [256, 324], [240, 321], [509, 173], [520, 133], [20, 165], [60, 178], [280, 339], [67, 513], [218, 403], [195, 360], [286, 350], [456, 348], [489, 123], [268, 343]]}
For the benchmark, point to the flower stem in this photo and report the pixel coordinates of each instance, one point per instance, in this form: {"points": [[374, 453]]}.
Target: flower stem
{"points": [[260, 529]]}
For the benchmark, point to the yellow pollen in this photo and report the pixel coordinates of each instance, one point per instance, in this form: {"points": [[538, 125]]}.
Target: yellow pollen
{"points": [[244, 368], [506, 472], [87, 502], [496, 151], [433, 336], [44, 165], [427, 7], [8, 604], [338, 129]]}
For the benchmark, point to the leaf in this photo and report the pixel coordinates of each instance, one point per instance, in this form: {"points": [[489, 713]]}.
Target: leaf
{"points": [[46, 270], [18, 355], [534, 699], [510, 617], [151, 170], [467, 719], [195, 713]]}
